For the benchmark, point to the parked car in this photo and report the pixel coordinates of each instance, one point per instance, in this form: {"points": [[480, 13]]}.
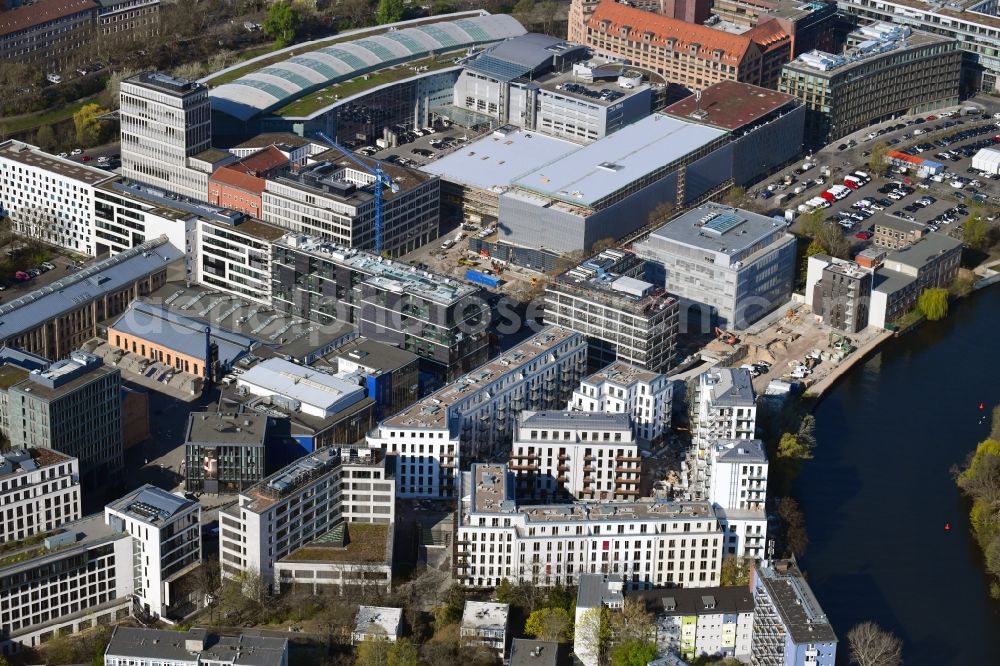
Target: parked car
{"points": [[863, 235]]}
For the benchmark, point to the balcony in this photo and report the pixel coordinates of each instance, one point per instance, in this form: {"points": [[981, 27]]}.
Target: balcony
{"points": [[628, 458]]}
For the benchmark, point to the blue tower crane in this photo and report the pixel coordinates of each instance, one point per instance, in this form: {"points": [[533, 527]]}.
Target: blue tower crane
{"points": [[381, 179]]}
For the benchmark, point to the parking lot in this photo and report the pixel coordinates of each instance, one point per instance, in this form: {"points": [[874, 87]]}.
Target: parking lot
{"points": [[14, 285], [419, 147]]}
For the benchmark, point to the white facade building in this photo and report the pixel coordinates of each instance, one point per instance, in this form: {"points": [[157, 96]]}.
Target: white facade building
{"points": [[739, 495], [165, 121], [581, 455], [377, 623], [622, 388], [648, 542], [135, 646], [166, 541], [486, 623], [39, 491], [299, 504], [724, 406], [48, 197], [474, 416], [317, 393]]}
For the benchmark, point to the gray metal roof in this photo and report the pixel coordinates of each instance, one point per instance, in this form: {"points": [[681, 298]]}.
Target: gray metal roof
{"points": [[521, 56], [604, 167], [77, 289], [151, 504], [573, 420], [889, 282], [741, 451], [186, 335], [718, 228], [696, 600], [246, 649], [528, 652], [278, 84], [227, 428], [730, 387], [595, 589], [375, 355], [922, 252], [797, 606]]}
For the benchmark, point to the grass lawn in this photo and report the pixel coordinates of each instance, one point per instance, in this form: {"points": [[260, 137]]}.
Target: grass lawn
{"points": [[321, 98], [365, 543], [47, 118]]}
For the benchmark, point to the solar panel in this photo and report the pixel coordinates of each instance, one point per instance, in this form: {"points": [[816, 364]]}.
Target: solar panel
{"points": [[722, 223]]}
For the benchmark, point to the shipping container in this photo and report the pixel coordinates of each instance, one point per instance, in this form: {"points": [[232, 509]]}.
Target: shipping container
{"points": [[479, 277]]}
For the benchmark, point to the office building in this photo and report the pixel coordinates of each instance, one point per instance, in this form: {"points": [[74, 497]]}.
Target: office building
{"points": [[714, 621], [73, 580], [224, 452], [739, 495], [886, 71], [723, 406], [649, 542], [580, 12], [437, 318], [486, 623], [810, 25], [595, 593], [130, 21], [333, 198], [46, 197], [318, 393], [893, 233], [391, 376], [73, 407], [623, 316], [789, 627], [164, 122], [165, 530], [622, 388], [540, 83], [139, 646], [842, 296], [766, 127], [474, 416], [932, 263], [39, 492], [691, 55], [729, 267], [377, 623], [302, 502], [575, 455], [239, 185]]}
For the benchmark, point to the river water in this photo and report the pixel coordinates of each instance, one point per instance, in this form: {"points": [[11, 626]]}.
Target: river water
{"points": [[878, 493]]}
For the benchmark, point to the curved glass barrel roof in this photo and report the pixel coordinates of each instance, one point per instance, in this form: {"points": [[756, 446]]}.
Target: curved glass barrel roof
{"points": [[279, 84]]}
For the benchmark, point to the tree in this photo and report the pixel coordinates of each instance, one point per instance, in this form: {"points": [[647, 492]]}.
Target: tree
{"points": [[111, 97], [441, 7], [661, 213], [46, 138], [505, 591], [389, 11], [282, 22], [975, 232], [832, 240], [604, 244], [88, 126], [791, 446], [876, 160], [812, 222], [593, 633], [450, 611], [796, 539], [870, 645], [523, 11], [632, 622], [633, 653], [962, 285], [735, 571], [373, 652], [933, 303], [403, 653], [736, 197], [549, 624]]}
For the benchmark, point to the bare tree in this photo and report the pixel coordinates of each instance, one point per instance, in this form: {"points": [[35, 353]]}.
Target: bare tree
{"points": [[871, 645]]}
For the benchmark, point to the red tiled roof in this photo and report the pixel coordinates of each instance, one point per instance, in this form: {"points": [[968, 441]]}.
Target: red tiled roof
{"points": [[663, 28], [227, 175], [262, 161], [41, 12]]}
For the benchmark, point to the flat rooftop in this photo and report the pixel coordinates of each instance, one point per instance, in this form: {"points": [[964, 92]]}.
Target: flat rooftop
{"points": [[485, 615], [53, 390], [529, 652], [374, 355], [29, 460], [495, 161], [312, 387], [602, 278], [87, 532], [29, 156], [604, 89], [598, 170], [695, 601], [575, 420], [11, 374], [152, 505], [434, 410], [384, 273], [877, 40], [730, 105], [165, 83], [378, 619], [925, 250], [796, 604], [168, 646], [333, 165], [174, 207], [295, 475], [360, 543], [227, 428], [622, 373], [729, 387]]}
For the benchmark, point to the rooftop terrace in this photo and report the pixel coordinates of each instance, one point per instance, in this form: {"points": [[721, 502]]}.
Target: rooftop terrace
{"points": [[355, 543], [623, 373], [151, 505], [30, 156], [299, 473]]}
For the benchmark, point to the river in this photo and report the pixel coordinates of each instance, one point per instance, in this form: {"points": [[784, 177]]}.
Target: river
{"points": [[878, 493]]}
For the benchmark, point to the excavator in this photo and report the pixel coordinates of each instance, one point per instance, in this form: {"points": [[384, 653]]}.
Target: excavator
{"points": [[726, 336]]}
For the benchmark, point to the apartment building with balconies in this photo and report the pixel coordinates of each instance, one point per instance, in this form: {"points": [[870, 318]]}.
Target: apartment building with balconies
{"points": [[739, 494], [623, 388], [789, 626], [39, 491]]}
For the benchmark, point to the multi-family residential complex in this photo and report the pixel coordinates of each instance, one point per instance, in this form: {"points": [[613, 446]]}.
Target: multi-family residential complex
{"points": [[716, 621], [789, 626], [474, 416], [47, 197], [739, 495], [623, 388], [224, 452], [39, 491], [842, 296], [164, 122], [649, 542], [432, 316], [623, 316], [486, 623], [723, 406], [728, 266], [692, 55], [166, 542], [545, 84], [887, 70], [75, 578], [377, 623], [301, 503], [575, 455], [73, 407], [139, 646], [334, 199], [57, 319]]}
